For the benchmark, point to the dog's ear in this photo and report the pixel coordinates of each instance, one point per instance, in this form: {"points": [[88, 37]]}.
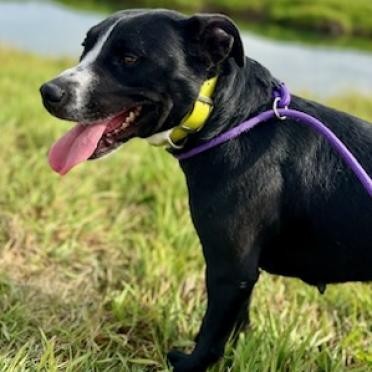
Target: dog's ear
{"points": [[215, 37]]}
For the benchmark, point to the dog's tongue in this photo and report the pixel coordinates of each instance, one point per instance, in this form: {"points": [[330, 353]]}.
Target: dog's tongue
{"points": [[75, 146]]}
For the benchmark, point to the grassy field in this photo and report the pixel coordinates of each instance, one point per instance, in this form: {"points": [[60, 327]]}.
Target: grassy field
{"points": [[102, 271], [346, 22]]}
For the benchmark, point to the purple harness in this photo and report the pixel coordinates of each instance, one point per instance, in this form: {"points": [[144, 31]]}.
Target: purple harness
{"points": [[282, 99]]}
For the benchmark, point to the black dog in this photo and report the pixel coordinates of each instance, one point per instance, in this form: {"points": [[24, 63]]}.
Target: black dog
{"points": [[277, 198]]}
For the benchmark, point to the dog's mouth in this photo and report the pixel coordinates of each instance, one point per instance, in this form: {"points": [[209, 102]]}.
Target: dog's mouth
{"points": [[117, 131], [96, 139]]}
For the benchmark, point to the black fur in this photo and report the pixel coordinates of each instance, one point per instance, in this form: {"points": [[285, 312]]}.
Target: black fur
{"points": [[278, 198]]}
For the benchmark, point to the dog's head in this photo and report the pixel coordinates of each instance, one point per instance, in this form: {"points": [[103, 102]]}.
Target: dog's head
{"points": [[139, 74]]}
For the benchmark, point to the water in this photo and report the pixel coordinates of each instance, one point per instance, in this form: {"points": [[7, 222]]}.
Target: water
{"points": [[44, 27], [52, 29]]}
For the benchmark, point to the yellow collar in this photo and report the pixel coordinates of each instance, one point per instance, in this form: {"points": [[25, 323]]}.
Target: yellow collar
{"points": [[193, 122]]}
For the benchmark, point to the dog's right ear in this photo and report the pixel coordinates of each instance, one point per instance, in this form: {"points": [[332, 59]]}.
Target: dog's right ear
{"points": [[214, 38]]}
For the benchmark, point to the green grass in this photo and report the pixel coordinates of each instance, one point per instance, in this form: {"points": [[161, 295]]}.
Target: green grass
{"points": [[101, 270]]}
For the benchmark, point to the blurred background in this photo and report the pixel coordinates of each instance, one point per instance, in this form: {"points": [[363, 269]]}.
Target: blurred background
{"points": [[101, 270], [273, 31]]}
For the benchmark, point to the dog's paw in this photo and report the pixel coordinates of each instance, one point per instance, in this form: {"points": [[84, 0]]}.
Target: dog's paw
{"points": [[182, 362], [175, 356]]}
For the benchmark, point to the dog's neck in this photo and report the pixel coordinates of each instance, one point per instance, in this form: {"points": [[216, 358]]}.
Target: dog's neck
{"points": [[252, 85]]}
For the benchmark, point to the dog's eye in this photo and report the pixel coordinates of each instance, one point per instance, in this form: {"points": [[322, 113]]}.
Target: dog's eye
{"points": [[130, 59]]}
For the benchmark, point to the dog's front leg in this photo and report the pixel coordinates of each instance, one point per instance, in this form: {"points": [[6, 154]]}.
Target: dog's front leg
{"points": [[228, 295], [242, 321]]}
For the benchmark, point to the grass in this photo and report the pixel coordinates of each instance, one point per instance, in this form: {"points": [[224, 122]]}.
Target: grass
{"points": [[344, 22], [102, 271]]}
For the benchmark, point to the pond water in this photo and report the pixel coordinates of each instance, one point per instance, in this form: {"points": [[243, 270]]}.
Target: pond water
{"points": [[50, 28]]}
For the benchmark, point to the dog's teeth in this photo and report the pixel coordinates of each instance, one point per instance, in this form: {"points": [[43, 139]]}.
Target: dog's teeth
{"points": [[130, 118]]}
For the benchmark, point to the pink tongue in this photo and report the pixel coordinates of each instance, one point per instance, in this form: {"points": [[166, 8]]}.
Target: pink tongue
{"points": [[75, 146]]}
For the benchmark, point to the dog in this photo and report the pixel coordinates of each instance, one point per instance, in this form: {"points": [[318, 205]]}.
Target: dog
{"points": [[277, 198]]}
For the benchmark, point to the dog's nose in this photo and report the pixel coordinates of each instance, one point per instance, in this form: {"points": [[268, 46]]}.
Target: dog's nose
{"points": [[52, 93]]}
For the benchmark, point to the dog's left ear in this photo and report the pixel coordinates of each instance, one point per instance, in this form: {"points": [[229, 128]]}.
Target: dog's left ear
{"points": [[215, 38]]}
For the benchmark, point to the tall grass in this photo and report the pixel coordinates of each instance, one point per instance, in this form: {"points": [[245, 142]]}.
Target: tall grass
{"points": [[340, 23], [101, 270], [337, 17]]}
